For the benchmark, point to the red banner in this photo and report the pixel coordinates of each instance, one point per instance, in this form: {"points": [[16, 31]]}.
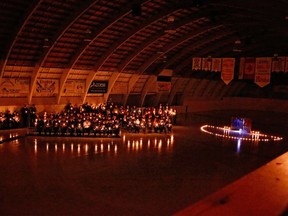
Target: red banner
{"points": [[196, 63], [278, 64], [216, 64], [206, 64], [249, 68], [227, 74], [263, 71], [286, 64]]}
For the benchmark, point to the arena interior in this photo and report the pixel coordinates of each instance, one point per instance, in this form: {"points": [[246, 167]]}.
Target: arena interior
{"points": [[143, 107]]}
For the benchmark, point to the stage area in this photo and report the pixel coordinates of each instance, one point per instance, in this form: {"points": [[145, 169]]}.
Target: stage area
{"points": [[136, 174]]}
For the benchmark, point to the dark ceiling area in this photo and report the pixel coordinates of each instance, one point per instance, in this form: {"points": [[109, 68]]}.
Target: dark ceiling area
{"points": [[81, 37]]}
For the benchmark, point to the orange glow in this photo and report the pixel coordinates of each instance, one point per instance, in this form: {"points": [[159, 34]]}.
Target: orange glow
{"points": [[225, 133]]}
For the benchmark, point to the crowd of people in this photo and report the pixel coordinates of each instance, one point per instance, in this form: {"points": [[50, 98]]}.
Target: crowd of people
{"points": [[18, 119], [87, 119], [105, 119]]}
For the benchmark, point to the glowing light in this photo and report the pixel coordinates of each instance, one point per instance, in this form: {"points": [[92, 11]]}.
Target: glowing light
{"points": [[35, 147], [78, 149], [86, 148], [226, 132], [239, 142]]}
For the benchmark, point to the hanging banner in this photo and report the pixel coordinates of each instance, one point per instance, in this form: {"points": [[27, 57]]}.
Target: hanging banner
{"points": [[15, 86], [196, 63], [263, 71], [46, 87], [74, 87], [278, 64], [98, 87], [227, 74], [206, 64], [241, 68], [249, 68], [216, 64], [164, 80], [286, 64]]}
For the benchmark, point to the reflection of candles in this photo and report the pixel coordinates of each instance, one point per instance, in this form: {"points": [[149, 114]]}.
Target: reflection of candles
{"points": [[78, 149], [72, 147], [86, 148], [35, 147], [115, 149], [96, 148], [159, 144], [148, 143], [56, 147], [108, 147], [63, 147], [102, 147], [47, 147]]}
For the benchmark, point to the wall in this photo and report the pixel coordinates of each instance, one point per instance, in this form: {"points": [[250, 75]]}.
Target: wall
{"points": [[200, 105]]}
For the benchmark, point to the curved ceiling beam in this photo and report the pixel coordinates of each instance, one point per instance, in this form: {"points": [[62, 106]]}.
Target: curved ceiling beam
{"points": [[178, 83], [172, 60], [116, 45], [17, 31], [121, 41], [183, 39], [176, 43], [146, 87], [131, 84], [62, 29], [205, 52]]}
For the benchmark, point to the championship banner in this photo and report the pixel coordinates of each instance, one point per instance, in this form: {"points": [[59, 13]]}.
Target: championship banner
{"points": [[216, 64], [46, 87], [164, 80], [249, 68], [98, 87], [196, 63], [74, 87], [206, 64], [286, 64], [278, 64], [227, 74], [263, 71], [15, 86], [241, 68]]}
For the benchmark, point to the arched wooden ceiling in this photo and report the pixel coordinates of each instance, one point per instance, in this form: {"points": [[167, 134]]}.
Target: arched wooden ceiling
{"points": [[73, 39]]}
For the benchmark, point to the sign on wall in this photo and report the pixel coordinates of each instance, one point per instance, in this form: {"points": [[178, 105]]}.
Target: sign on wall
{"points": [[15, 86], [74, 87], [98, 87], [46, 87], [164, 80]]}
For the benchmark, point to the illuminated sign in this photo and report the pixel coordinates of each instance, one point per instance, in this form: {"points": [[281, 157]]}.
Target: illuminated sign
{"points": [[98, 87]]}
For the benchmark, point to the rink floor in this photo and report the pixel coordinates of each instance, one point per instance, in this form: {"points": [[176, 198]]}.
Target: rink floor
{"points": [[136, 174]]}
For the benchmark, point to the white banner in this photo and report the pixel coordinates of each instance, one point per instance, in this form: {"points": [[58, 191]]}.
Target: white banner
{"points": [[263, 71], [47, 87], [227, 74], [206, 64], [74, 87], [216, 64], [196, 63], [15, 86], [278, 64]]}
